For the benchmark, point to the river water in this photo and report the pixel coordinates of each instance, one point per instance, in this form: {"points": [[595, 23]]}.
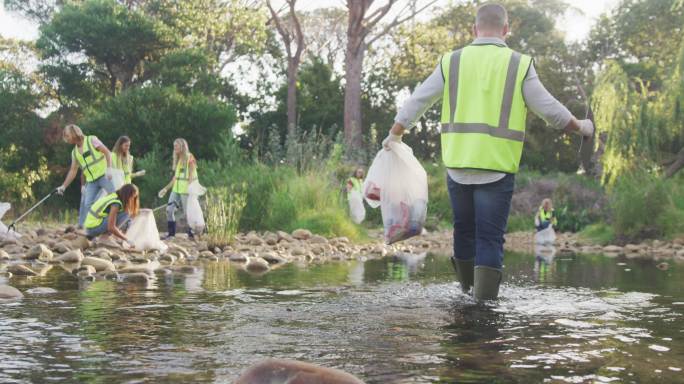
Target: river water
{"points": [[568, 319]]}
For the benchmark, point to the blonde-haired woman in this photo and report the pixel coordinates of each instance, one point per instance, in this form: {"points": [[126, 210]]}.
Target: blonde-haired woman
{"points": [[123, 160], [94, 160], [185, 171], [545, 216]]}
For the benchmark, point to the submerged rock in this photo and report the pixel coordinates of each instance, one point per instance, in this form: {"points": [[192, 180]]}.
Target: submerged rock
{"points": [[39, 252], [135, 278], [41, 291], [8, 292], [278, 371], [21, 270], [257, 264]]}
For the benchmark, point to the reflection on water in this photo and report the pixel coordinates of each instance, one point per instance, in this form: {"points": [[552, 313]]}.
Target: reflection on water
{"points": [[402, 319]]}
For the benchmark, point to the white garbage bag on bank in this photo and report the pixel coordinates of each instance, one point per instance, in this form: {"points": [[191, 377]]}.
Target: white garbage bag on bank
{"points": [[142, 232], [193, 212], [397, 182], [4, 232], [356, 209]]}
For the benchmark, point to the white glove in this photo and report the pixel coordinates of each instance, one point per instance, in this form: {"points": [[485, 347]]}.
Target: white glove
{"points": [[586, 128], [83, 189], [60, 190], [161, 193], [125, 245], [109, 172], [391, 138]]}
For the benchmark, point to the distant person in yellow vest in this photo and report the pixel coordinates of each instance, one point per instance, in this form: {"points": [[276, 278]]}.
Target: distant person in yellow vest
{"points": [[355, 182], [185, 171], [123, 160], [109, 213], [94, 160], [545, 216], [486, 89]]}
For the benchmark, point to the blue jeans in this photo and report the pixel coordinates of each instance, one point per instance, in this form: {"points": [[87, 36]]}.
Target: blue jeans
{"points": [[480, 215], [92, 189], [121, 219], [176, 200]]}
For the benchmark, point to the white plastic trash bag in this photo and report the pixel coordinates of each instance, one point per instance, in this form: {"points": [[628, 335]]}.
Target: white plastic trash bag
{"points": [[398, 184], [118, 178], [545, 236], [194, 210], [196, 189], [356, 209], [142, 233], [4, 232]]}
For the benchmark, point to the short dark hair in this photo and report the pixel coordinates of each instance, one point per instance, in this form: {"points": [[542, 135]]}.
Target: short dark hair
{"points": [[491, 16]]}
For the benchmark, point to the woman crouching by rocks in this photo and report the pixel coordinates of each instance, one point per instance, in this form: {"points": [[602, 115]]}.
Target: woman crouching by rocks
{"points": [[110, 213]]}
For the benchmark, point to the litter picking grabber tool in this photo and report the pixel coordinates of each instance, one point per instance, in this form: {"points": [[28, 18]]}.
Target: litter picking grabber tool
{"points": [[12, 227], [586, 149]]}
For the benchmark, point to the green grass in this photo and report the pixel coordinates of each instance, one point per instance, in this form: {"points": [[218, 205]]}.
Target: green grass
{"points": [[599, 233], [519, 223]]}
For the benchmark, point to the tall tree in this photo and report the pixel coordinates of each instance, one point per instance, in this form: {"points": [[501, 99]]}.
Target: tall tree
{"points": [[361, 34], [290, 31]]}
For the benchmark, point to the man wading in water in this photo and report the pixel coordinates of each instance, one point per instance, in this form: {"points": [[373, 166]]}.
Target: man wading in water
{"points": [[485, 89]]}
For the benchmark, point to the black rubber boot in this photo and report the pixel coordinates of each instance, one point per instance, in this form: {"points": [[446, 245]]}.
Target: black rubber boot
{"points": [[191, 236], [487, 281], [172, 229], [464, 272]]}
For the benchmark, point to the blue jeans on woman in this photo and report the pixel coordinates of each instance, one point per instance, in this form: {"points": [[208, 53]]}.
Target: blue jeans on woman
{"points": [[92, 190], [121, 219], [480, 214]]}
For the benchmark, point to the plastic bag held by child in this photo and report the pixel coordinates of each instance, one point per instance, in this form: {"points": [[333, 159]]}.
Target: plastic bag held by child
{"points": [[118, 178], [356, 209], [142, 233], [194, 210], [398, 184]]}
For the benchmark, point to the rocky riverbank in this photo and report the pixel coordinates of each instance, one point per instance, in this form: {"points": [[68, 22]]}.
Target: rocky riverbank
{"points": [[41, 249]]}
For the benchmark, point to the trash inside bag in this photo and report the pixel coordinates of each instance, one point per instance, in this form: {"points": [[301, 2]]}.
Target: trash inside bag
{"points": [[356, 209], [142, 233], [545, 236], [4, 232], [193, 211], [398, 184]]}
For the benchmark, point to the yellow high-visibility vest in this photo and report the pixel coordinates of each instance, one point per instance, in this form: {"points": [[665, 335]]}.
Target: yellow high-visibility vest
{"points": [[126, 167], [483, 110], [96, 213], [91, 161]]}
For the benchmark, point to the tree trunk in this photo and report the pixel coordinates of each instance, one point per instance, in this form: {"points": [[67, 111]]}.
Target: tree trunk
{"points": [[676, 165], [353, 131], [291, 97]]}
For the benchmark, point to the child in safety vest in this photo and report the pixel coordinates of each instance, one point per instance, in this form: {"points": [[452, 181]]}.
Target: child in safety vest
{"points": [[185, 172], [545, 216], [109, 213], [123, 160], [355, 182]]}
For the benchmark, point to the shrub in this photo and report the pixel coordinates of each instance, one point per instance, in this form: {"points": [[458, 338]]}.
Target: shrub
{"points": [[224, 210]]}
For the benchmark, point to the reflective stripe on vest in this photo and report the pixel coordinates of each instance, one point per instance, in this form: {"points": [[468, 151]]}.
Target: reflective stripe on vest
{"points": [[126, 168], [92, 166], [483, 111], [96, 213], [180, 186]]}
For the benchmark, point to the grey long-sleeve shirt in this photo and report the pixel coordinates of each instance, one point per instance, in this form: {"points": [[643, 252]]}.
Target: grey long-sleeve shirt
{"points": [[537, 99]]}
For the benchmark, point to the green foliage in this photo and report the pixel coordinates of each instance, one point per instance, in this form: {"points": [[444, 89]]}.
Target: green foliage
{"points": [[519, 223], [154, 116], [642, 207], [599, 233], [224, 210]]}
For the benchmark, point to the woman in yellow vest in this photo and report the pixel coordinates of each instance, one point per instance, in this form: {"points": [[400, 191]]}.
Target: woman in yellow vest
{"points": [[94, 160], [185, 171], [545, 216], [123, 160], [109, 213], [355, 182]]}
